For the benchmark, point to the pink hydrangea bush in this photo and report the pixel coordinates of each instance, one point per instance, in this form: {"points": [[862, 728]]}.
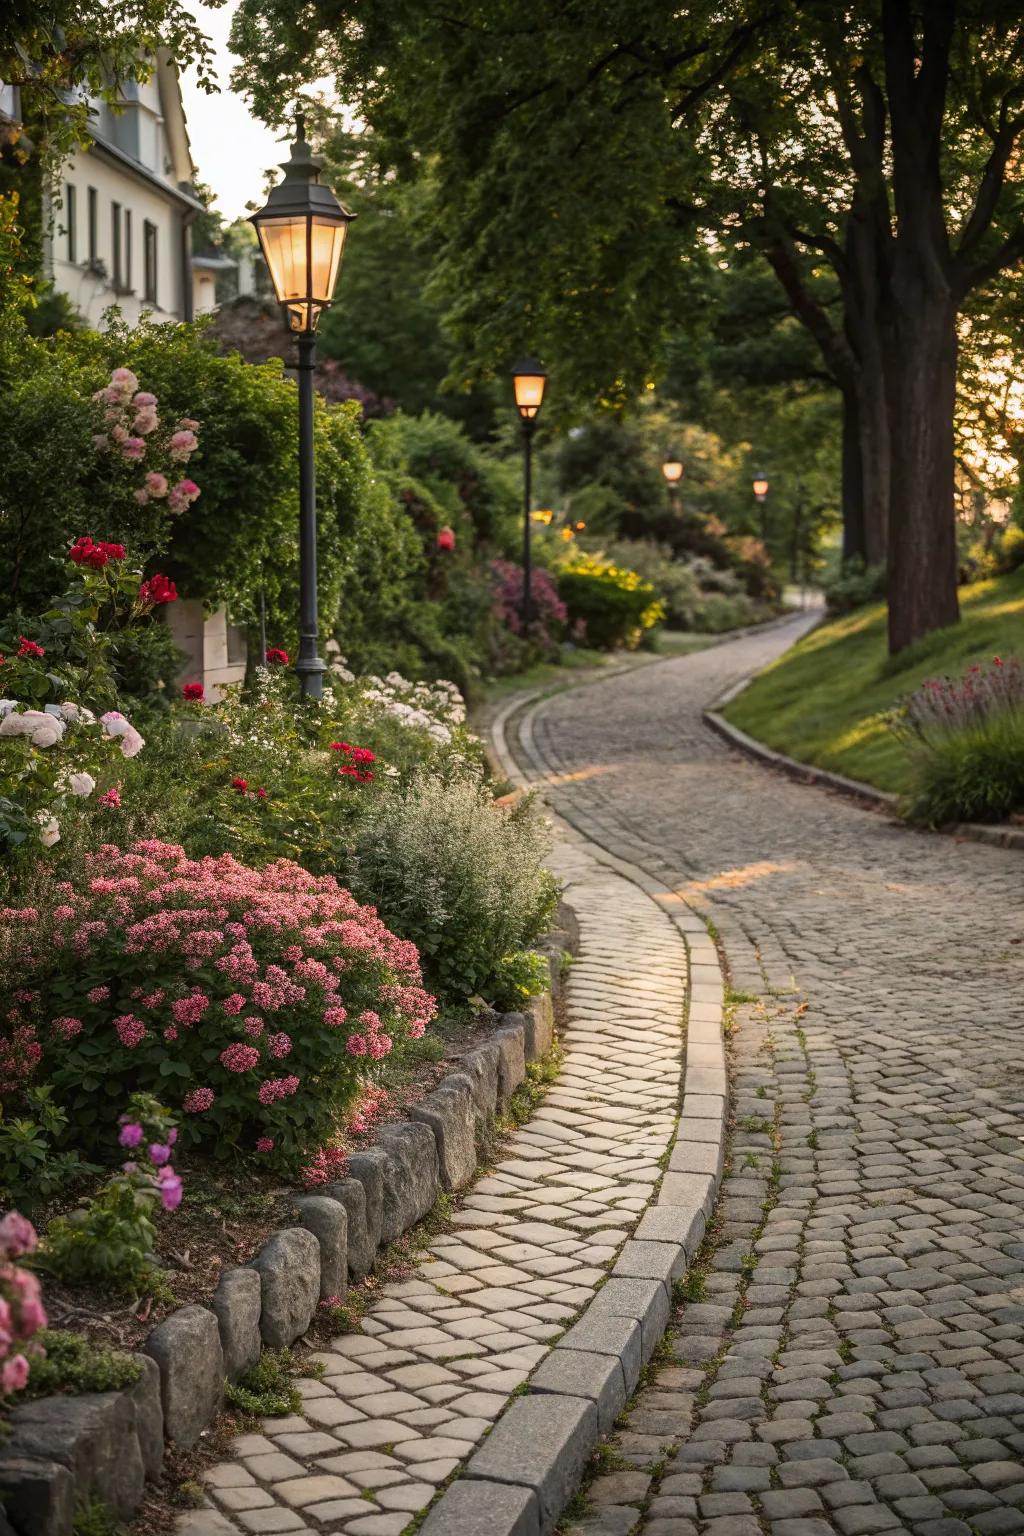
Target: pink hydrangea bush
{"points": [[21, 1307], [259, 1001]]}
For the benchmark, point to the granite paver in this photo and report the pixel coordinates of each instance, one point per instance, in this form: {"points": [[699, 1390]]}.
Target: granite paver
{"points": [[852, 1359], [409, 1399]]}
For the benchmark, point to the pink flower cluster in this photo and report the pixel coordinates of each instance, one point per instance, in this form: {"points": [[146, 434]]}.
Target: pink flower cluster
{"points": [[21, 1306], [210, 975], [948, 704], [507, 596], [130, 426]]}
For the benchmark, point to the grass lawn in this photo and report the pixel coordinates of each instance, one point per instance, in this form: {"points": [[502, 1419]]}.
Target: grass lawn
{"points": [[824, 701]]}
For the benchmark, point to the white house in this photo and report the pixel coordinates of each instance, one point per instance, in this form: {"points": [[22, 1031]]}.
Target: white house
{"points": [[121, 227]]}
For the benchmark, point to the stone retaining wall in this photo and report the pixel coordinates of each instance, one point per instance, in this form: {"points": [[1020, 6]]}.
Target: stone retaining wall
{"points": [[65, 1451]]}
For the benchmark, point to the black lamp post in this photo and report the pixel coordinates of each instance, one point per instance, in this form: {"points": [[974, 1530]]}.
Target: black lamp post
{"points": [[302, 232], [528, 381], [761, 495]]}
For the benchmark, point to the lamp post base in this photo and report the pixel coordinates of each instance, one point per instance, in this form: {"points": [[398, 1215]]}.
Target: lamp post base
{"points": [[310, 673]]}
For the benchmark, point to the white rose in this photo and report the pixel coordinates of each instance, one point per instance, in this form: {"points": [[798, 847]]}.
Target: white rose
{"points": [[6, 705], [131, 742], [81, 783], [49, 829], [13, 725], [77, 713]]}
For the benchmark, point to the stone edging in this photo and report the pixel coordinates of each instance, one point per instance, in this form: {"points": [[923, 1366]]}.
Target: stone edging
{"points": [[855, 789], [65, 1450], [519, 1481]]}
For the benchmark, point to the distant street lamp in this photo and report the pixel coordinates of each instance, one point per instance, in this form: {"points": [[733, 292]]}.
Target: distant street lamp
{"points": [[528, 381], [672, 469], [761, 495], [302, 231]]}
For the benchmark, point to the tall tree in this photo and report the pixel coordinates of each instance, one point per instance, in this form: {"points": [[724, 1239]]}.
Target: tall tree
{"points": [[580, 152]]}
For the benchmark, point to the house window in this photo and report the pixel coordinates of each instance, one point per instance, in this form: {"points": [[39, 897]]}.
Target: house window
{"points": [[149, 253], [128, 250], [93, 223], [116, 237], [71, 223]]}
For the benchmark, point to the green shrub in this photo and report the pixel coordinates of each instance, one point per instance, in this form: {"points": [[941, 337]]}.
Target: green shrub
{"points": [[72, 1363], [519, 975], [613, 604], [33, 1168], [965, 740], [267, 1391], [460, 876], [855, 585], [975, 774], [1011, 548]]}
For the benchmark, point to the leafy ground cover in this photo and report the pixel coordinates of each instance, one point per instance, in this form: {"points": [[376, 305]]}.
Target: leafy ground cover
{"points": [[826, 701]]}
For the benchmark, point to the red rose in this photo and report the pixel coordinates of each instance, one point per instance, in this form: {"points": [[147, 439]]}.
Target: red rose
{"points": [[240, 784], [193, 691], [446, 538], [276, 657], [29, 648], [158, 589]]}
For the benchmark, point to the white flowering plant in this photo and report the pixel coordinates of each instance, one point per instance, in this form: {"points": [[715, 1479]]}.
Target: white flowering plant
{"points": [[63, 741]]}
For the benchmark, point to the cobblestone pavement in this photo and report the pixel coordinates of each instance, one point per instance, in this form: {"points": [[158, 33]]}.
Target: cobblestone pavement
{"points": [[405, 1401], [851, 1357]]}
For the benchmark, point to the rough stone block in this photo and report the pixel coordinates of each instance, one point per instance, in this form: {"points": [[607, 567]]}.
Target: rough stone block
{"points": [[569, 923], [645, 1300], [673, 1224], [351, 1193], [481, 1066], [410, 1176], [511, 1043], [148, 1410], [539, 1015], [236, 1304], [641, 1259], [690, 1190], [477, 1508], [327, 1219], [619, 1337], [187, 1348], [450, 1112], [580, 1373], [39, 1496], [541, 1442], [93, 1436], [368, 1167], [288, 1265]]}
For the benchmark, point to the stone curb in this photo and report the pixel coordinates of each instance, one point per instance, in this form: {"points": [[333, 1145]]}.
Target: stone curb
{"points": [[540, 1446], [65, 1450], [855, 789]]}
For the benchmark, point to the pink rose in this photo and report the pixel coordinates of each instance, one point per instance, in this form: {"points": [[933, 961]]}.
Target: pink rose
{"points": [[15, 1374]]}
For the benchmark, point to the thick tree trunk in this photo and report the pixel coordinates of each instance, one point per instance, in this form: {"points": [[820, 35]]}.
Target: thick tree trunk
{"points": [[921, 378], [875, 454], [852, 481]]}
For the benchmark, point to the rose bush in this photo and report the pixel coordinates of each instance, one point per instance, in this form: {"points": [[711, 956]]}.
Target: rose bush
{"points": [[21, 1307], [256, 1000]]}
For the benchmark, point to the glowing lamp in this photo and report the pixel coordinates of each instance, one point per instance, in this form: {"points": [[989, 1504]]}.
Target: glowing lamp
{"points": [[302, 230]]}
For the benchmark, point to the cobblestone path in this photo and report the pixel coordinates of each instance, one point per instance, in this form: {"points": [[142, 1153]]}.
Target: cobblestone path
{"points": [[852, 1356], [405, 1401]]}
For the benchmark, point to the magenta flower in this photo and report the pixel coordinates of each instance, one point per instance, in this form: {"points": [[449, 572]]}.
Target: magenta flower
{"points": [[198, 1100], [170, 1188], [131, 1134], [159, 1154], [17, 1235], [239, 1057], [265, 1144], [15, 1374]]}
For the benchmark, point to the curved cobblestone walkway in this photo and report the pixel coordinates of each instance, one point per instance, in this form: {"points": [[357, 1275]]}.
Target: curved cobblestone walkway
{"points": [[852, 1358], [404, 1402]]}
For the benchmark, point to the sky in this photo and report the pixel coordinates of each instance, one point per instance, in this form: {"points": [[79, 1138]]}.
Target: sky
{"points": [[231, 148]]}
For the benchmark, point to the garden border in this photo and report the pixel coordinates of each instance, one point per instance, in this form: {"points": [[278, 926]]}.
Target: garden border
{"points": [[854, 789], [521, 1478], [65, 1450]]}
